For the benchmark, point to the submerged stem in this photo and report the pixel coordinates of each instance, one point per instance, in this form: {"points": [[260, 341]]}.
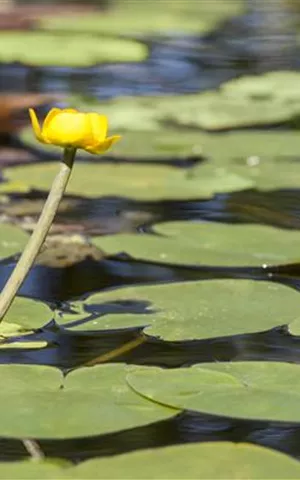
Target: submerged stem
{"points": [[39, 234]]}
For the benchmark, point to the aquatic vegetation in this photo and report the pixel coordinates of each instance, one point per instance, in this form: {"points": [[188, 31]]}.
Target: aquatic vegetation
{"points": [[164, 309]]}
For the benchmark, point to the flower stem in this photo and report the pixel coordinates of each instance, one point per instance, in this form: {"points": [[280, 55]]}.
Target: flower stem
{"points": [[39, 234]]}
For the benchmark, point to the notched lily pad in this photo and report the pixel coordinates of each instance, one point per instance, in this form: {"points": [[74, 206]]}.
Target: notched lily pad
{"points": [[92, 401], [252, 390], [194, 310], [215, 460]]}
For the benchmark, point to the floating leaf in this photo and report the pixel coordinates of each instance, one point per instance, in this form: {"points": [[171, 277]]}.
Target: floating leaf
{"points": [[165, 144], [265, 160], [186, 311], [12, 240], [208, 244], [93, 401], [149, 17], [272, 102], [31, 470], [216, 460], [25, 314], [256, 390], [139, 181], [294, 327], [88, 50]]}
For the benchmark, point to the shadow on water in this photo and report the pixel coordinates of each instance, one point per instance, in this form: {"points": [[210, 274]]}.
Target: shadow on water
{"points": [[186, 427], [68, 349], [108, 215], [61, 284]]}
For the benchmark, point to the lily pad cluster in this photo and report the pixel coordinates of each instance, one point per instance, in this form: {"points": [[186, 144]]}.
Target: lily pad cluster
{"points": [[251, 285]]}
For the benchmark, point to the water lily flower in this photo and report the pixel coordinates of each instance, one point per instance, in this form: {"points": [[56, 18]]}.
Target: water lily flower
{"points": [[69, 128]]}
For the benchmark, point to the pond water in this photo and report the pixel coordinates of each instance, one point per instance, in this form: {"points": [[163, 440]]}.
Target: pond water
{"points": [[176, 64]]}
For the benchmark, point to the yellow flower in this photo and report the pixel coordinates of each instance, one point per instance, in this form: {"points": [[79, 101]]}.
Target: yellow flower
{"points": [[70, 128]]}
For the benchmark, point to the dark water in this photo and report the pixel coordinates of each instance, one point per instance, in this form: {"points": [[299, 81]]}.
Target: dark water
{"points": [[57, 285], [175, 64], [109, 215], [69, 349], [187, 427]]}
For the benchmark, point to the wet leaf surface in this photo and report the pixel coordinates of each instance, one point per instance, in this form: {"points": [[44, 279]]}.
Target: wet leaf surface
{"points": [[12, 239], [208, 244], [235, 105], [25, 314], [245, 390], [87, 402], [135, 18], [142, 182], [239, 307], [20, 47], [30, 470], [215, 461]]}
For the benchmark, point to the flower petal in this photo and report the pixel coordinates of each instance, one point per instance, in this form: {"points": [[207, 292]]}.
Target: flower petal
{"points": [[68, 129], [99, 125], [103, 146], [36, 126], [53, 112]]}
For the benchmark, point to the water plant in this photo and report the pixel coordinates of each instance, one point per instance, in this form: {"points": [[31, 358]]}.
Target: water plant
{"points": [[70, 130]]}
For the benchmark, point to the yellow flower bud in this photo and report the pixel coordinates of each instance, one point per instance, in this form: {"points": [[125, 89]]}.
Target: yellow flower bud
{"points": [[70, 128]]}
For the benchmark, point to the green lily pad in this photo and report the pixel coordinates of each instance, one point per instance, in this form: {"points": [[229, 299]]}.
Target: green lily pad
{"points": [[8, 187], [92, 401], [149, 17], [31, 470], [138, 181], [208, 244], [232, 106], [250, 101], [294, 327], [24, 315], [60, 49], [217, 460], [144, 138], [197, 310], [21, 345], [12, 240], [22, 318], [282, 86], [144, 145], [252, 390]]}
